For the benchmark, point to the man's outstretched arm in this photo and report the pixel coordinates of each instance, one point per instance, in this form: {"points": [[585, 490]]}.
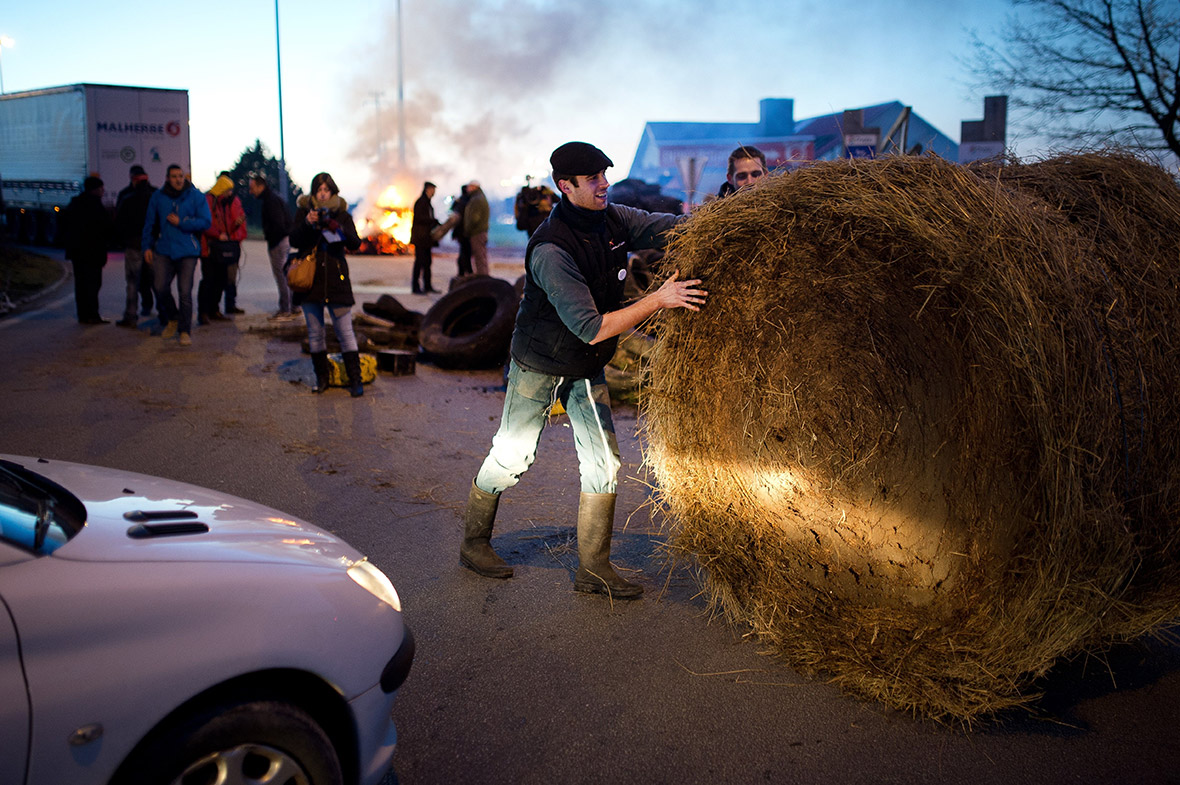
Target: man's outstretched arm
{"points": [[672, 294]]}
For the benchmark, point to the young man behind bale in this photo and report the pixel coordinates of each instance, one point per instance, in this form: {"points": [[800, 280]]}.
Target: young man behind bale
{"points": [[746, 166]]}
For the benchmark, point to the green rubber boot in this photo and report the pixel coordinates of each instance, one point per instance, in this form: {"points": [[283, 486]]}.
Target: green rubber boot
{"points": [[596, 519], [476, 552]]}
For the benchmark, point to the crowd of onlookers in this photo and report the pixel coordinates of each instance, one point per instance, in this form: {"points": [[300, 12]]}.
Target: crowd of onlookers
{"points": [[165, 233]]}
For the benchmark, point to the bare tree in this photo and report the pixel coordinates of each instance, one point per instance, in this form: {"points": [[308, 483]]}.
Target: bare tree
{"points": [[1090, 70]]}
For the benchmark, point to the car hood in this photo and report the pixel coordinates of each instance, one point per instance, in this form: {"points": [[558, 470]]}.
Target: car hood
{"points": [[233, 530]]}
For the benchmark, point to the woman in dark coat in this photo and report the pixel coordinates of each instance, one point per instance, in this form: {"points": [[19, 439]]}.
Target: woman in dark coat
{"points": [[322, 223]]}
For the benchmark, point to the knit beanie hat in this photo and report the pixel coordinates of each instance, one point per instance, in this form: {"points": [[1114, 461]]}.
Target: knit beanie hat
{"points": [[222, 186]]}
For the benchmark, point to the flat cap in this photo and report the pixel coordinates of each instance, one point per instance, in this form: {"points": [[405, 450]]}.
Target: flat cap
{"points": [[579, 158]]}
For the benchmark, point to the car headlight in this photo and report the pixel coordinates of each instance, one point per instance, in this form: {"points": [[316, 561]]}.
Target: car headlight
{"points": [[375, 582]]}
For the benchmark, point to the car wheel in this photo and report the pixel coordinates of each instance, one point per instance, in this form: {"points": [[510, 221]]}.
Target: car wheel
{"points": [[262, 743]]}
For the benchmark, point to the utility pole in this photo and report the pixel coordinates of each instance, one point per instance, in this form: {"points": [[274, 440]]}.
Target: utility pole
{"points": [[380, 139], [401, 96]]}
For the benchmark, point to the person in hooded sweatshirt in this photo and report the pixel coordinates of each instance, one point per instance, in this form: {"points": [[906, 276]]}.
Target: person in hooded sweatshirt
{"points": [[177, 214], [222, 251]]}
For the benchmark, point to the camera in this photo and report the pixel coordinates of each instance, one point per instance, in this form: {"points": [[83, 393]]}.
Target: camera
{"points": [[325, 215]]}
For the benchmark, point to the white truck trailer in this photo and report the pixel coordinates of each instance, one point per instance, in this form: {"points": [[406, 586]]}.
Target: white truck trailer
{"points": [[53, 139]]}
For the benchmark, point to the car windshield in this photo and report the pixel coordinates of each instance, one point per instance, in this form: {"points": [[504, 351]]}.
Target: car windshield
{"points": [[36, 514]]}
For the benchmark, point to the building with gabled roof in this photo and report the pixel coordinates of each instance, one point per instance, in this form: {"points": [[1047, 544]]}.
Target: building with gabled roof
{"points": [[672, 154]]}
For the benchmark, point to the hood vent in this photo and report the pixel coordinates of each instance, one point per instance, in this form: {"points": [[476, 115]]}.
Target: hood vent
{"points": [[141, 516], [163, 523], [142, 531]]}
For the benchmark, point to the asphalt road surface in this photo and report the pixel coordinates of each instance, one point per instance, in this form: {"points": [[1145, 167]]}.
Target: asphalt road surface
{"points": [[524, 681]]}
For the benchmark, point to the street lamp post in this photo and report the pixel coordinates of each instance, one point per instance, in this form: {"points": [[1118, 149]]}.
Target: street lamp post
{"points": [[4, 41], [283, 189]]}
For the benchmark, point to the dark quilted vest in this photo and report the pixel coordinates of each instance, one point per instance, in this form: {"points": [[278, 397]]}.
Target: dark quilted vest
{"points": [[541, 342]]}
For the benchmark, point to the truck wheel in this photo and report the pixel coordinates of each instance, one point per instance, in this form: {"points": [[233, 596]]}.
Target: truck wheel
{"points": [[471, 326], [261, 742]]}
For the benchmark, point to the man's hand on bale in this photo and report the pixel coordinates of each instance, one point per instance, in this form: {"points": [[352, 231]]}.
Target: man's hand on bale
{"points": [[671, 294], [681, 294]]}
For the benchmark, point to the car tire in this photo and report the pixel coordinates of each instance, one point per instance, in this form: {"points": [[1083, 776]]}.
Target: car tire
{"points": [[470, 326], [261, 741]]}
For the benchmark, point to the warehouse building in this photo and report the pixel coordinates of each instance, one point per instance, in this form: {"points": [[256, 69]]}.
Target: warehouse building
{"points": [[688, 160]]}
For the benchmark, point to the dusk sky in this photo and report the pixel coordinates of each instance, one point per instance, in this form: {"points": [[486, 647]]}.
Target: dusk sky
{"points": [[492, 86]]}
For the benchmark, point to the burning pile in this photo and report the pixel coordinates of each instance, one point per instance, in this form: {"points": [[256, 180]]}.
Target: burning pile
{"points": [[938, 443], [385, 227]]}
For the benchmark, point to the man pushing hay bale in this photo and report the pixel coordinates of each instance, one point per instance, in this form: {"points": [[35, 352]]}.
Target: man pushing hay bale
{"points": [[936, 450]]}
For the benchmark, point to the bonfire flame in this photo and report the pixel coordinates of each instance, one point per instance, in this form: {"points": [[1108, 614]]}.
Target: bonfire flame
{"points": [[385, 229]]}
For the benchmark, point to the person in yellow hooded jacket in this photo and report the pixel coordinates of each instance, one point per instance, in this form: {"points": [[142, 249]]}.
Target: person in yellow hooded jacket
{"points": [[221, 250]]}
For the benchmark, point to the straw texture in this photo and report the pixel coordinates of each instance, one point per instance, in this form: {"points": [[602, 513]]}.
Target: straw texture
{"points": [[922, 439]]}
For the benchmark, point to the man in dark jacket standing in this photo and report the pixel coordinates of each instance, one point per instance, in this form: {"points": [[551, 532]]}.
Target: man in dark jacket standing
{"points": [[130, 211], [276, 226], [88, 236], [475, 226], [458, 208], [566, 329], [424, 223]]}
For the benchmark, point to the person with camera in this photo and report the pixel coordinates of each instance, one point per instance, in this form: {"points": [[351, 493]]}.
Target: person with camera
{"points": [[324, 226]]}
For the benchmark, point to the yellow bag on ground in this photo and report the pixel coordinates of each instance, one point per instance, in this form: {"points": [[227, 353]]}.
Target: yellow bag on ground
{"points": [[338, 377]]}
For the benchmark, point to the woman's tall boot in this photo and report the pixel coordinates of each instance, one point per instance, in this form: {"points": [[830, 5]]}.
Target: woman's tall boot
{"points": [[319, 361], [352, 365]]}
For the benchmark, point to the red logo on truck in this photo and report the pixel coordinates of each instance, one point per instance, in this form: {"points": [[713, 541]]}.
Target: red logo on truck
{"points": [[173, 128]]}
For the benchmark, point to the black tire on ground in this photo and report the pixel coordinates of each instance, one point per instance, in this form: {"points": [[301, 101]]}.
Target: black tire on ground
{"points": [[470, 278], [388, 308], [471, 326], [247, 738]]}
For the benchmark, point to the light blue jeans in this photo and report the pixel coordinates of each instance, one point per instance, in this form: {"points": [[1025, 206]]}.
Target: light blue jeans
{"points": [[313, 314], [526, 410]]}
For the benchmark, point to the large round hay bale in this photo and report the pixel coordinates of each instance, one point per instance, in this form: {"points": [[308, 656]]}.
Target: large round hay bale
{"points": [[899, 437]]}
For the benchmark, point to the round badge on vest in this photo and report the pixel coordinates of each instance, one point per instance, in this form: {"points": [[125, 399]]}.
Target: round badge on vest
{"points": [[622, 274]]}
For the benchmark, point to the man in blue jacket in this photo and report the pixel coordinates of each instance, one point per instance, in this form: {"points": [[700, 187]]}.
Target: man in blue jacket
{"points": [[176, 216], [568, 324]]}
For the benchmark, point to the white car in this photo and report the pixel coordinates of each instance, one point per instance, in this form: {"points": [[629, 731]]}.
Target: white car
{"points": [[157, 632]]}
